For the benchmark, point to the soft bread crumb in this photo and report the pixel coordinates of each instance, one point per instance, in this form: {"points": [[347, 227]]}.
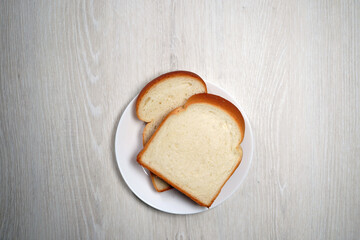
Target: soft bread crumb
{"points": [[197, 149]]}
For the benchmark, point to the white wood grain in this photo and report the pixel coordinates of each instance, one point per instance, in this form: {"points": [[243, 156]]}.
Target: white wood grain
{"points": [[69, 68]]}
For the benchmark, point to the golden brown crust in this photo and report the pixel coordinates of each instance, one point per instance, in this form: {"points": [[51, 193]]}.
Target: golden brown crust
{"points": [[215, 100], [143, 134], [179, 188], [237, 165], [162, 78], [207, 99], [153, 176]]}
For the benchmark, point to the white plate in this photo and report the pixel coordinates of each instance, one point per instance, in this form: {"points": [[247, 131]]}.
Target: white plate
{"points": [[128, 143]]}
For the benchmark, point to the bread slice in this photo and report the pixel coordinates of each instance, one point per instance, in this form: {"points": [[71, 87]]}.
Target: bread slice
{"points": [[197, 147], [161, 96]]}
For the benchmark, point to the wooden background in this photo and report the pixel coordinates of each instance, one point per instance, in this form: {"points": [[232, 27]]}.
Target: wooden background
{"points": [[69, 68]]}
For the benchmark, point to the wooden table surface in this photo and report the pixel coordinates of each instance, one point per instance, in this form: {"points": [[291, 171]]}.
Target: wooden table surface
{"points": [[69, 68]]}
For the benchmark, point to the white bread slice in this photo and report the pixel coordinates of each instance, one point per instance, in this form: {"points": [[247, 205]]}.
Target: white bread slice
{"points": [[161, 96], [197, 147]]}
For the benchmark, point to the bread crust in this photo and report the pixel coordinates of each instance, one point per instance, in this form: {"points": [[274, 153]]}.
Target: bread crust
{"points": [[206, 98], [215, 100], [143, 134], [163, 78], [153, 176]]}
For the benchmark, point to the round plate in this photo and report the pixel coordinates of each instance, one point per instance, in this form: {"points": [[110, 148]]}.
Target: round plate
{"points": [[128, 143]]}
